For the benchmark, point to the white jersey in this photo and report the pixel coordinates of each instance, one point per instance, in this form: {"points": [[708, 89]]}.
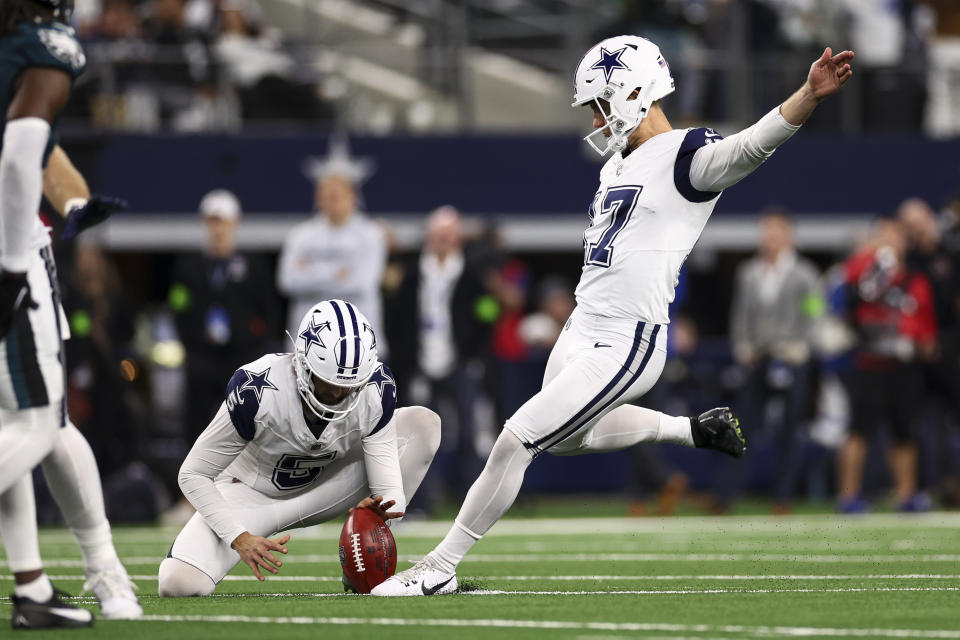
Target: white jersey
{"points": [[644, 220], [652, 206], [282, 456]]}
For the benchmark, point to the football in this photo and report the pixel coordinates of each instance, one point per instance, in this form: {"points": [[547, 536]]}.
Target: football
{"points": [[368, 552]]}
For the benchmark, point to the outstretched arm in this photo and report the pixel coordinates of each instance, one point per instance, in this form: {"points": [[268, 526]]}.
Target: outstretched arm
{"points": [[726, 162], [63, 185], [827, 75], [66, 189]]}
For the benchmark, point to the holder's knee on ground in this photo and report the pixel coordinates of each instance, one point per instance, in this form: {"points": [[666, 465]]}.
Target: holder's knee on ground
{"points": [[178, 579]]}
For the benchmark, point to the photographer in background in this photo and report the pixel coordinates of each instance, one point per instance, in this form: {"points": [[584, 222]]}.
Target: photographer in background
{"points": [[892, 313]]}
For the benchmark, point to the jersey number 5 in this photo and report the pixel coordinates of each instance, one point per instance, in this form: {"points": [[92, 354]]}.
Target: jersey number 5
{"points": [[293, 472], [619, 202]]}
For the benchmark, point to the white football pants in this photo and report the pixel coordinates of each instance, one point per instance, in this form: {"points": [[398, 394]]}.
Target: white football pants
{"points": [[597, 365]]}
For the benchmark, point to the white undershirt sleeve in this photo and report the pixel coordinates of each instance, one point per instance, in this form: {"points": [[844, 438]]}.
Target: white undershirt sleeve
{"points": [[213, 452], [21, 185], [382, 462], [726, 162]]}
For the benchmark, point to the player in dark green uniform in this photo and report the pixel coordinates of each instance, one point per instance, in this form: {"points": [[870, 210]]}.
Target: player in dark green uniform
{"points": [[39, 60]]}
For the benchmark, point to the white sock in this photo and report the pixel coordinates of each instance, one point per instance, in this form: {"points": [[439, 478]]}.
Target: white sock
{"points": [[675, 429], [487, 500], [74, 481], [629, 425], [39, 590], [18, 526], [448, 554]]}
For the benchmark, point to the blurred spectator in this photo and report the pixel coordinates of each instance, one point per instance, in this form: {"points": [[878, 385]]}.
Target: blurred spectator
{"points": [[943, 117], [890, 41], [182, 67], [101, 365], [224, 307], [438, 340], [338, 254], [258, 67], [540, 329], [776, 299], [941, 373], [892, 312], [515, 375]]}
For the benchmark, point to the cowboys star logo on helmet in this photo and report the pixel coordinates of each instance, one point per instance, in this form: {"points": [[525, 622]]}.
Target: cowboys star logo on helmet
{"points": [[609, 62], [346, 356], [311, 335], [622, 76]]}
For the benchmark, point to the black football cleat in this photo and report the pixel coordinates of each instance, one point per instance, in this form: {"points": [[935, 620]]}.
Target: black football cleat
{"points": [[718, 429], [52, 614]]}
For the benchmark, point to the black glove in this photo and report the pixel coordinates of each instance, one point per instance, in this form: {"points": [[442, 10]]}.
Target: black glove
{"points": [[97, 209], [14, 299]]}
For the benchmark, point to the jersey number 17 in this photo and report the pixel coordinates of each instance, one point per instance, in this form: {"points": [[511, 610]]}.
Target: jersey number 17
{"points": [[619, 203]]}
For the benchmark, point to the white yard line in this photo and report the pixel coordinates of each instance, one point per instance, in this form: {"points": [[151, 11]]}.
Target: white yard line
{"points": [[589, 557], [599, 592], [555, 578], [759, 631], [834, 525]]}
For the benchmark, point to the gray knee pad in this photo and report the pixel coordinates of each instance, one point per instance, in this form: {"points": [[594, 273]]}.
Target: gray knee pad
{"points": [[178, 579]]}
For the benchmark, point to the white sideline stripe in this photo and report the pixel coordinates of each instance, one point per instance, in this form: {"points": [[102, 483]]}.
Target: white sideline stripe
{"points": [[565, 624], [645, 592], [554, 578], [587, 557], [836, 526], [599, 592]]}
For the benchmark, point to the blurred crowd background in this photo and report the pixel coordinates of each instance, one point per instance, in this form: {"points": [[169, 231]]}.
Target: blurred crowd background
{"points": [[420, 159]]}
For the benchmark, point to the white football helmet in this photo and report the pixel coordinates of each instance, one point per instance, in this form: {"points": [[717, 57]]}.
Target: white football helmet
{"points": [[335, 343], [611, 71]]}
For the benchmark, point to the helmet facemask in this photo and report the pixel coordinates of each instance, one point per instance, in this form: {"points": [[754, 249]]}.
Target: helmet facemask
{"points": [[308, 392], [336, 345], [621, 115]]}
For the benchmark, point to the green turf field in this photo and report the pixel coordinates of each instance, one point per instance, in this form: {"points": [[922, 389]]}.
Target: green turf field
{"points": [[812, 576]]}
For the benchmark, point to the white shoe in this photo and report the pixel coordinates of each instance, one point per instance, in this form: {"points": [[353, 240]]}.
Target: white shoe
{"points": [[422, 579], [114, 590]]}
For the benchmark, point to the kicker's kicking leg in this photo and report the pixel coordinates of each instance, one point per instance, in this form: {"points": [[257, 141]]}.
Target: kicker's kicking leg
{"points": [[629, 425]]}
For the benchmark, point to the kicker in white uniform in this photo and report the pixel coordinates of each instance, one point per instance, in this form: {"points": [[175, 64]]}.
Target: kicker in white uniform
{"points": [[299, 439], [656, 193]]}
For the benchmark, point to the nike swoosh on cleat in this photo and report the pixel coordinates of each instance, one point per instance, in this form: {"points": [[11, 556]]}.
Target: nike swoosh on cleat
{"points": [[597, 345], [432, 590], [80, 615]]}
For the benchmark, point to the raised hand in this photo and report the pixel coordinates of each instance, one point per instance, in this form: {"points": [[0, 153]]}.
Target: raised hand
{"points": [[255, 551], [829, 73], [97, 209], [377, 504]]}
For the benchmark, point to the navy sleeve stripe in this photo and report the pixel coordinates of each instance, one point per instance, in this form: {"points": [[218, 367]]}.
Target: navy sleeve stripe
{"points": [[383, 379], [242, 407], [694, 139]]}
